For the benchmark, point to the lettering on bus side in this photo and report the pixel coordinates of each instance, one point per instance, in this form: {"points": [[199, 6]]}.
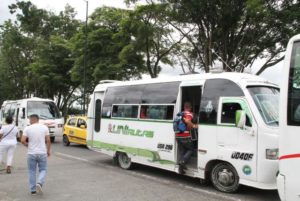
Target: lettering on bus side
{"points": [[242, 156], [164, 147], [125, 130]]}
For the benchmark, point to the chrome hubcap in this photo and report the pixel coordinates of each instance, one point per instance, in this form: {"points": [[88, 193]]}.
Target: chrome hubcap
{"points": [[125, 159], [225, 177]]}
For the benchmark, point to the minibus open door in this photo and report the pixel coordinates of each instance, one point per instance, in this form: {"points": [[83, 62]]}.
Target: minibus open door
{"points": [[191, 92]]}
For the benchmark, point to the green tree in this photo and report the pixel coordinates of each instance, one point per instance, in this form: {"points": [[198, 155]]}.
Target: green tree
{"points": [[234, 32], [16, 53], [52, 71], [37, 51], [151, 36], [105, 45]]}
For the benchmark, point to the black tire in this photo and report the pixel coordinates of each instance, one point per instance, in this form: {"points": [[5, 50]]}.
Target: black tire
{"points": [[66, 141], [225, 178], [124, 161], [52, 139]]}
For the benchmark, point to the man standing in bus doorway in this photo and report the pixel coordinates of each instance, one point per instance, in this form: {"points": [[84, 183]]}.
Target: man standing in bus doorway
{"points": [[37, 154], [184, 138]]}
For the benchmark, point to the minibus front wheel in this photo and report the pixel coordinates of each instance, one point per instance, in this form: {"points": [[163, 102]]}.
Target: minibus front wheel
{"points": [[124, 161], [225, 178]]}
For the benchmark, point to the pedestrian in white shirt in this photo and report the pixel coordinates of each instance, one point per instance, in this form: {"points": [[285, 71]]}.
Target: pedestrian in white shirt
{"points": [[8, 142], [37, 153]]}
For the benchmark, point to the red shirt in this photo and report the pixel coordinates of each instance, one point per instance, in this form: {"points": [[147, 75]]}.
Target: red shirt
{"points": [[186, 134]]}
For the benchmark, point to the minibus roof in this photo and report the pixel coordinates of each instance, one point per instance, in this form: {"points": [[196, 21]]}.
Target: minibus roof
{"points": [[242, 79], [25, 99]]}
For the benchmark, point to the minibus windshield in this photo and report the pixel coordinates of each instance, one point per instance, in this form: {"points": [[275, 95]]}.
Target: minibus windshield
{"points": [[267, 102], [45, 109]]}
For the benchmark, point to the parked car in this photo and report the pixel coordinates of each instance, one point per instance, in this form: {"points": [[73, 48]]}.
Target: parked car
{"points": [[75, 130]]}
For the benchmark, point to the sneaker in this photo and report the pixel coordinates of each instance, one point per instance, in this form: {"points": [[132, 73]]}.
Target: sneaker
{"points": [[181, 169], [33, 193], [39, 188], [183, 165]]}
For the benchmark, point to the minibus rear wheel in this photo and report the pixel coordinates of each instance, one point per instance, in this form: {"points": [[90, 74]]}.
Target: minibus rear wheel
{"points": [[225, 178], [124, 161]]}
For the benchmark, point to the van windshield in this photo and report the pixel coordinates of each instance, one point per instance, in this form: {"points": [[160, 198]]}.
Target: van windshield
{"points": [[267, 102], [45, 109]]}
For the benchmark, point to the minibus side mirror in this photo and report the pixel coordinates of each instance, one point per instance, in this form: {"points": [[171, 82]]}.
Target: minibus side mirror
{"points": [[240, 118]]}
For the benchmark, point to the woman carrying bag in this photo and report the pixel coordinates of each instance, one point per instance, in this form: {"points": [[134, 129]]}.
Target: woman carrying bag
{"points": [[8, 142]]}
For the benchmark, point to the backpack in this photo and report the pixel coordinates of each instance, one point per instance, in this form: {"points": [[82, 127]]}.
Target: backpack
{"points": [[178, 124]]}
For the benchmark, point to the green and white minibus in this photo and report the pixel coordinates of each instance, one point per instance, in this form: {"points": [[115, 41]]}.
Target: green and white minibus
{"points": [[237, 114]]}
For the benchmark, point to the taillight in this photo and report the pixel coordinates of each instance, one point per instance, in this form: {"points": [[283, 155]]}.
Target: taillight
{"points": [[272, 154]]}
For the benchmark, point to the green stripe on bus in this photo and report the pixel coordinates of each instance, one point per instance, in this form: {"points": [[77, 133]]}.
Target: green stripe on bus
{"points": [[216, 125], [153, 155], [169, 122]]}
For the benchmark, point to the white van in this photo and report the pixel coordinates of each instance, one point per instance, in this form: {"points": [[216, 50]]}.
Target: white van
{"points": [[237, 116], [22, 109]]}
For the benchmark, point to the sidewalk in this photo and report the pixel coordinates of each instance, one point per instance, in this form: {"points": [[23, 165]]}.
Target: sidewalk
{"points": [[15, 186]]}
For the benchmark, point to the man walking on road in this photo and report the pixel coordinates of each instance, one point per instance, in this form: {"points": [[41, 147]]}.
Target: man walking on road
{"points": [[34, 137]]}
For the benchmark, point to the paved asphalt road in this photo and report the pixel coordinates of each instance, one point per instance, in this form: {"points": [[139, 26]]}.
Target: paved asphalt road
{"points": [[78, 174]]}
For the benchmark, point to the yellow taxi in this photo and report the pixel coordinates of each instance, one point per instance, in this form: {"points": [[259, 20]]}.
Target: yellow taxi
{"points": [[75, 130]]}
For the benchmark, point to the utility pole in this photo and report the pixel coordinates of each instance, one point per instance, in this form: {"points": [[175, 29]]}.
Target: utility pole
{"points": [[85, 58]]}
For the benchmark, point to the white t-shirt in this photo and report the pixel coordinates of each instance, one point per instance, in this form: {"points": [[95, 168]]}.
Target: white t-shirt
{"points": [[11, 138], [36, 134]]}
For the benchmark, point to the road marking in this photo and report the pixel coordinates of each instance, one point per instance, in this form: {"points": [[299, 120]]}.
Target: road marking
{"points": [[153, 178], [72, 157]]}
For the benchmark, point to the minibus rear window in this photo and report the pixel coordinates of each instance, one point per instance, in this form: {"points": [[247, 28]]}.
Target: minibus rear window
{"points": [[98, 115]]}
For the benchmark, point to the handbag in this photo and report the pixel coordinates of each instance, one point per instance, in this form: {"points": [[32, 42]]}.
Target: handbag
{"points": [[7, 134]]}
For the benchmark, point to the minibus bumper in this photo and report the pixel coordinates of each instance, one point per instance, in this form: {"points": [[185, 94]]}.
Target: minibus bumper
{"points": [[281, 186]]}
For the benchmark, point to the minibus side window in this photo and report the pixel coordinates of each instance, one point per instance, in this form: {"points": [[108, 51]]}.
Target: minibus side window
{"points": [[123, 95], [294, 87], [12, 109], [17, 117], [125, 111], [228, 112], [161, 93], [6, 110], [23, 113], [213, 90], [157, 112], [98, 115]]}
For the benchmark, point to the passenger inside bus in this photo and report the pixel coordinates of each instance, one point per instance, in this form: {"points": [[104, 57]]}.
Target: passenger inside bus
{"points": [[143, 114]]}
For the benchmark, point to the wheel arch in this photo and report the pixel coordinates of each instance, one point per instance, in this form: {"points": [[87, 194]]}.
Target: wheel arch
{"points": [[210, 165]]}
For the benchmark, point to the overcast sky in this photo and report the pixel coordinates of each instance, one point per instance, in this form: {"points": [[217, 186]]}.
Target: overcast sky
{"points": [[273, 73]]}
